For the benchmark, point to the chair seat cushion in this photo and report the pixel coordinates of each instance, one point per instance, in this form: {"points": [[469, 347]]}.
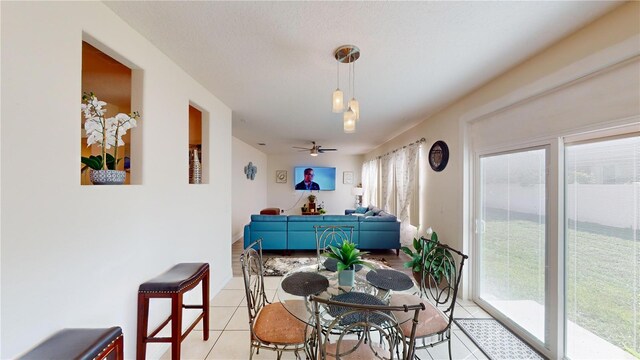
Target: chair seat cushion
{"points": [[74, 344], [430, 321], [363, 352], [176, 278], [275, 325]]}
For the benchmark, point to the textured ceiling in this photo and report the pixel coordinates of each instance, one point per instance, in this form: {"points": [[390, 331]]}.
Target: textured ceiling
{"points": [[272, 62]]}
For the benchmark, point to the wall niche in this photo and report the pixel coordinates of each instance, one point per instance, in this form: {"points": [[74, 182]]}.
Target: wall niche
{"points": [[110, 81]]}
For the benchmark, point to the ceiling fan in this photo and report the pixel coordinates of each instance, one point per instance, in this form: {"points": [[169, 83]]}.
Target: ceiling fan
{"points": [[315, 149]]}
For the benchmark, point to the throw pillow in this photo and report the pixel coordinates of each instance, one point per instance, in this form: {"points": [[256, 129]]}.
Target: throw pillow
{"points": [[369, 213], [361, 210]]}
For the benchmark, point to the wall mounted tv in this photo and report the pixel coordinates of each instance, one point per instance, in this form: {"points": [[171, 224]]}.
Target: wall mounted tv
{"points": [[318, 178]]}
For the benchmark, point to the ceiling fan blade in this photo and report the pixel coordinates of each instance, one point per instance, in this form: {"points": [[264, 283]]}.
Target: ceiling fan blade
{"points": [[298, 147], [323, 150]]}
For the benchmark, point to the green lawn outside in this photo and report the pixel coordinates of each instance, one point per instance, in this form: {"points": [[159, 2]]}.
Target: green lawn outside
{"points": [[600, 274]]}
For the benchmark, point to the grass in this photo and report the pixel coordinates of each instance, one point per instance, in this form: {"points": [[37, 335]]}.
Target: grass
{"points": [[603, 289]]}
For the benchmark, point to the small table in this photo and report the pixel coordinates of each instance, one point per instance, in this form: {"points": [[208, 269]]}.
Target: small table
{"points": [[302, 309]]}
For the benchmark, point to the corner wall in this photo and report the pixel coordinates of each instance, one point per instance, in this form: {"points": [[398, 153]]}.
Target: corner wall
{"points": [[249, 196], [599, 44], [286, 197], [72, 255]]}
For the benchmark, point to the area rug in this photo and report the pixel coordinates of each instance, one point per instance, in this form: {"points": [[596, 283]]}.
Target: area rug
{"points": [[278, 266], [496, 341]]}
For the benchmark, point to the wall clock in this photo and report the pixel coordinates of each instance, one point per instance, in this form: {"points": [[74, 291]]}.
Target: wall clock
{"points": [[439, 155]]}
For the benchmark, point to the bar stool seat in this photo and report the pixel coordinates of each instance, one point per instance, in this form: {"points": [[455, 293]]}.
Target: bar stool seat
{"points": [[80, 344], [176, 278], [173, 284]]}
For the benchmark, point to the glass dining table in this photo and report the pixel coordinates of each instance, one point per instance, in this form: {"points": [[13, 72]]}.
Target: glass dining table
{"points": [[375, 284]]}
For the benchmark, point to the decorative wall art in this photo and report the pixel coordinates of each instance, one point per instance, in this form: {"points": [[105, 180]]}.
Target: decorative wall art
{"points": [[251, 170], [281, 176], [347, 177], [439, 155]]}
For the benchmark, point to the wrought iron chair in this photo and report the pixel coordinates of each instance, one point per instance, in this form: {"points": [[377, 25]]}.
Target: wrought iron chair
{"points": [[330, 235], [332, 340], [438, 292], [272, 326]]}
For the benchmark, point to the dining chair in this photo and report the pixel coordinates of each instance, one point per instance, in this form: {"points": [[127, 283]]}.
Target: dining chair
{"points": [[438, 292], [330, 235], [335, 338], [272, 326]]}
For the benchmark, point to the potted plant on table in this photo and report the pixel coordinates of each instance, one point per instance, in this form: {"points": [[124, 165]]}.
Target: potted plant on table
{"points": [[347, 256], [107, 133], [428, 259]]}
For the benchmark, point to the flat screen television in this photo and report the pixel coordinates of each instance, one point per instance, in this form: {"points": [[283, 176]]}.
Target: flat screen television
{"points": [[320, 178]]}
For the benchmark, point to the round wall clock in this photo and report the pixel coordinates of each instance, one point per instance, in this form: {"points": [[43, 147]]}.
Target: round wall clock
{"points": [[439, 155]]}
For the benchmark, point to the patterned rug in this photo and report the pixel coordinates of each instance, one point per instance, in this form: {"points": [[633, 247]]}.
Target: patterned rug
{"points": [[278, 266], [496, 341]]}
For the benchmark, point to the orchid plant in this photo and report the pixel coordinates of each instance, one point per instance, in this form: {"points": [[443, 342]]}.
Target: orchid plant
{"points": [[106, 132]]}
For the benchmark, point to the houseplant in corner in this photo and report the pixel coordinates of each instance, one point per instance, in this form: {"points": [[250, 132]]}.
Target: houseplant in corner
{"points": [[428, 259], [347, 257], [107, 133]]}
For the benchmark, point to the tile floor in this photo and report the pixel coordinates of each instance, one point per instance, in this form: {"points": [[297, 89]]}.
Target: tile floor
{"points": [[229, 335]]}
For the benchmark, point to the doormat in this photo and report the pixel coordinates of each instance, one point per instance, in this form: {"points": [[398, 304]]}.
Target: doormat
{"points": [[495, 340], [278, 266]]}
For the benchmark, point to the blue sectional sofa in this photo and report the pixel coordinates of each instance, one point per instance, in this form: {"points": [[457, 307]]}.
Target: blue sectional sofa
{"points": [[296, 232]]}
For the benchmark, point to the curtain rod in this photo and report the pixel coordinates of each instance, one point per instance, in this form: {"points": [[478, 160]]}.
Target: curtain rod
{"points": [[393, 151]]}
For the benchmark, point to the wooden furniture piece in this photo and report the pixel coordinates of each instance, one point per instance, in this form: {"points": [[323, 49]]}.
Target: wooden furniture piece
{"points": [[310, 213], [80, 344], [270, 211], [173, 284]]}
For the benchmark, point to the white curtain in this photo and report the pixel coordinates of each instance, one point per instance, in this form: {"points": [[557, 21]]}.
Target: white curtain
{"points": [[370, 182], [387, 193], [406, 169]]}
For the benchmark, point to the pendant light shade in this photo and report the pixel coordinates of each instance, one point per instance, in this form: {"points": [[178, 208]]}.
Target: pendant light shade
{"points": [[355, 106], [349, 121], [338, 101]]}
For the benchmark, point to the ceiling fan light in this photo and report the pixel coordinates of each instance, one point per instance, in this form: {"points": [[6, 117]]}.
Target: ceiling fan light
{"points": [[355, 106], [338, 101], [314, 152]]}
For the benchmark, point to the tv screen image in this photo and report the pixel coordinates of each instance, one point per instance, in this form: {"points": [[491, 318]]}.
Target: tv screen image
{"points": [[318, 178]]}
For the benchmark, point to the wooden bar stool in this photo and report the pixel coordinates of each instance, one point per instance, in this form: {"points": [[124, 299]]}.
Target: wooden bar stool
{"points": [[173, 284], [80, 344]]}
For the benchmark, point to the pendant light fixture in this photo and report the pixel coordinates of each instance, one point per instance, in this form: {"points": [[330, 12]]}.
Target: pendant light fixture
{"points": [[347, 54]]}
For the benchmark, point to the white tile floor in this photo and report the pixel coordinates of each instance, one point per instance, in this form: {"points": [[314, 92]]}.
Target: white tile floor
{"points": [[229, 335]]}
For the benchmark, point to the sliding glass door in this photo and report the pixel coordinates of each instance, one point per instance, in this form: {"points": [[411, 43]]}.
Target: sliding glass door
{"points": [[512, 231], [602, 239]]}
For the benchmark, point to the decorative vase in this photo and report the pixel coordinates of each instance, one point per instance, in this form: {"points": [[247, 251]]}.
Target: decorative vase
{"points": [[107, 177], [197, 168], [346, 277]]}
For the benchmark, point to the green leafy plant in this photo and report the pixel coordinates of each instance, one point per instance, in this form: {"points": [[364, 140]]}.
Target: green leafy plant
{"points": [[312, 198], [322, 211], [346, 255], [440, 262], [95, 162]]}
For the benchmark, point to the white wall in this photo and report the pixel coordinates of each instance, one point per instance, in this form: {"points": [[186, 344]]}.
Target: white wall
{"points": [[603, 42], [72, 255], [285, 197], [249, 196]]}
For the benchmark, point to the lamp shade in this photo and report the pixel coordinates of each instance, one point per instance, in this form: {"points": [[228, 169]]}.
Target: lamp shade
{"points": [[357, 191], [355, 106], [349, 122], [338, 101]]}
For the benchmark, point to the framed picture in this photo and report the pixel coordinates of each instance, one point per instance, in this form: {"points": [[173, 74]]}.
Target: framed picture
{"points": [[281, 176], [439, 155], [347, 177]]}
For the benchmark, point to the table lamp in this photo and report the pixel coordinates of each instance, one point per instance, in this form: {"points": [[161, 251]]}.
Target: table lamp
{"points": [[358, 192]]}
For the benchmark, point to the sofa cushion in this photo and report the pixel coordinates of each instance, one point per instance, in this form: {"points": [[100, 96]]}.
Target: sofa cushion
{"points": [[340, 218], [369, 213], [361, 210], [376, 210], [305, 218], [273, 218], [385, 218]]}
